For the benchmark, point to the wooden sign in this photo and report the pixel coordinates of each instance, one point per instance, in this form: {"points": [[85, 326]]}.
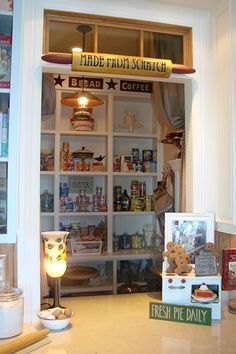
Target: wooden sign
{"points": [[121, 64], [178, 313], [136, 86], [205, 265], [87, 83]]}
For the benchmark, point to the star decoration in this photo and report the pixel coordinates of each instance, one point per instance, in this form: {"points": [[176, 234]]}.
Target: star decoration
{"points": [[112, 85], [58, 80]]}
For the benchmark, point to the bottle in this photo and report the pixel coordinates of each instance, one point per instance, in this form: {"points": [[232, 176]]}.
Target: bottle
{"points": [[125, 201]]}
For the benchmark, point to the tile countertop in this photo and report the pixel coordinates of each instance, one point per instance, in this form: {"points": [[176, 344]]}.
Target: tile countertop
{"points": [[120, 324]]}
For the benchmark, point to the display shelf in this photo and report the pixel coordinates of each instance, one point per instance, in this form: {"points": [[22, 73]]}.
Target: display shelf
{"points": [[85, 213], [134, 135], [48, 131], [46, 214], [107, 139], [120, 255], [133, 213], [84, 133], [82, 173], [47, 173], [8, 131], [4, 90], [134, 174]]}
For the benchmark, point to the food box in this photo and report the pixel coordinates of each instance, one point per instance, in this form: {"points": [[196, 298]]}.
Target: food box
{"points": [[6, 5], [5, 61]]}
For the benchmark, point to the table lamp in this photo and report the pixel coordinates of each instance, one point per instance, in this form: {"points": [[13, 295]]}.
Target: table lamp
{"points": [[55, 259]]}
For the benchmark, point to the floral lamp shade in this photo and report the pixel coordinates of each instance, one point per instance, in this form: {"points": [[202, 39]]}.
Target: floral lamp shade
{"points": [[55, 252]]}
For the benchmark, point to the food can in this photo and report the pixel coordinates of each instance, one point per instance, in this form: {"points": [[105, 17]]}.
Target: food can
{"points": [[66, 146], [142, 189], [148, 202]]}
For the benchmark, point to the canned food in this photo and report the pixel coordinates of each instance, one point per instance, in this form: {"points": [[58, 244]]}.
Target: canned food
{"points": [[142, 189], [134, 200], [139, 205], [66, 146], [148, 202]]}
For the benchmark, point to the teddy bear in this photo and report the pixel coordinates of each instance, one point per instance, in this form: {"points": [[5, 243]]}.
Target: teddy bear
{"points": [[169, 254], [173, 250], [181, 261], [170, 249]]}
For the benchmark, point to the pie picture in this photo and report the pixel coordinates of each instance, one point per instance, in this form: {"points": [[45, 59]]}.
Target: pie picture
{"points": [[204, 294]]}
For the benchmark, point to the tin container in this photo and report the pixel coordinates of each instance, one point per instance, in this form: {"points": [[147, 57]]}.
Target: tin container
{"points": [[83, 154], [137, 241]]}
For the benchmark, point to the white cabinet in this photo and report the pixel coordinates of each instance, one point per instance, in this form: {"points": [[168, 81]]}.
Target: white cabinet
{"points": [[81, 199]]}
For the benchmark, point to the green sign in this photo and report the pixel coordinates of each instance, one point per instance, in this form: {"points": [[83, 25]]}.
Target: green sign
{"points": [[178, 313]]}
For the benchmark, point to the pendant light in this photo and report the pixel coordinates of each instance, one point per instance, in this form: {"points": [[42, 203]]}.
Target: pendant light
{"points": [[82, 99]]}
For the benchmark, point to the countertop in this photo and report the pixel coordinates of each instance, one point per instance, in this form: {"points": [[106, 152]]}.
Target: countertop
{"points": [[120, 324]]}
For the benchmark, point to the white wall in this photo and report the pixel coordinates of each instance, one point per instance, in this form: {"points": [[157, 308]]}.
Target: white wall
{"points": [[200, 188], [224, 113]]}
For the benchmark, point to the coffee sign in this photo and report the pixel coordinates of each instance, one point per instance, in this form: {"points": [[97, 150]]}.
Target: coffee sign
{"points": [[180, 313]]}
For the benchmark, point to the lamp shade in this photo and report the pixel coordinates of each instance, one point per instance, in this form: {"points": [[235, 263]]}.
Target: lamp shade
{"points": [[55, 252], [82, 99]]}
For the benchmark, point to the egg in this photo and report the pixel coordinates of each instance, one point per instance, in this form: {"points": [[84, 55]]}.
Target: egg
{"points": [[68, 312], [57, 312], [61, 316]]}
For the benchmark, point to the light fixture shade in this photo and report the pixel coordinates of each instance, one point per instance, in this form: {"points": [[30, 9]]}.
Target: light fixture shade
{"points": [[55, 252], [75, 100]]}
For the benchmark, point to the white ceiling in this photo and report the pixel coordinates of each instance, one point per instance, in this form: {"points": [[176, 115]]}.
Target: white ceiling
{"points": [[200, 4]]}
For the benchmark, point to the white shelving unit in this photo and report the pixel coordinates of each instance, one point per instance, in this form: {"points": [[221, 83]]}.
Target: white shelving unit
{"points": [[7, 163], [108, 138]]}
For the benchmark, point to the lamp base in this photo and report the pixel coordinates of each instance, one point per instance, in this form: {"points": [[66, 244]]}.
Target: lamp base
{"points": [[56, 297]]}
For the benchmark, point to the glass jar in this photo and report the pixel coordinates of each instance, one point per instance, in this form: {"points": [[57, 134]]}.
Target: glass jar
{"points": [[11, 312]]}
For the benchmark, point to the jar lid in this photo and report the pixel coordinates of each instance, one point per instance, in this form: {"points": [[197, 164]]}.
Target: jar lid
{"points": [[10, 293], [83, 153]]}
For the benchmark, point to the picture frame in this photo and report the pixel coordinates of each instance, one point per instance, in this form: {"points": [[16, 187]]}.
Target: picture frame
{"points": [[191, 230], [85, 247]]}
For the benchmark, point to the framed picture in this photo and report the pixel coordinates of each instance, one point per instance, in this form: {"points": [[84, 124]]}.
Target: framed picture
{"points": [[192, 231], [85, 247]]}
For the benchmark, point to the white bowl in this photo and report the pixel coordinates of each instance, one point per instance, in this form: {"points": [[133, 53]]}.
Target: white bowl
{"points": [[53, 324]]}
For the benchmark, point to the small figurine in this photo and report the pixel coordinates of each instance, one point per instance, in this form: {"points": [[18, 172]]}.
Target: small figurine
{"points": [[130, 121], [99, 158]]}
